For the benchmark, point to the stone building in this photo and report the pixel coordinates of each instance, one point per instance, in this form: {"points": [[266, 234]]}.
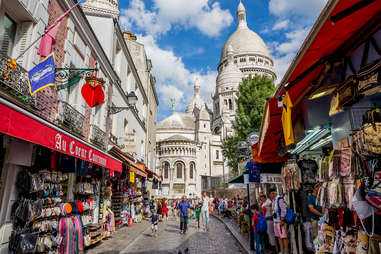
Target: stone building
{"points": [[189, 144]]}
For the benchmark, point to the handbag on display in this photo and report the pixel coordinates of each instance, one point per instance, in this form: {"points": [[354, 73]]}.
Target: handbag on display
{"points": [[347, 92], [361, 206], [369, 78]]}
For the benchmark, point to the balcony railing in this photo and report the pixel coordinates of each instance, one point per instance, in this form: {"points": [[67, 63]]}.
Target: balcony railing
{"points": [[13, 79], [72, 118], [97, 136]]}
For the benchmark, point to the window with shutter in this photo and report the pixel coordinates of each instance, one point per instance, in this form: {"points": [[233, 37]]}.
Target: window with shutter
{"points": [[22, 40], [7, 35]]}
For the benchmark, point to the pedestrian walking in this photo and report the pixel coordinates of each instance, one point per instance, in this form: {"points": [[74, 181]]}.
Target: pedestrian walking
{"points": [[267, 211], [164, 210], [280, 226], [155, 222], [159, 209], [259, 229], [197, 212], [183, 208], [205, 211]]}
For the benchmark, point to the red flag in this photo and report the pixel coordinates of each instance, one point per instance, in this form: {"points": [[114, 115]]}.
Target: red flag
{"points": [[49, 37]]}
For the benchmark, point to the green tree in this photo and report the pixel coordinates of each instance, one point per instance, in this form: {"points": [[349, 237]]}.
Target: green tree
{"points": [[231, 153], [253, 92]]}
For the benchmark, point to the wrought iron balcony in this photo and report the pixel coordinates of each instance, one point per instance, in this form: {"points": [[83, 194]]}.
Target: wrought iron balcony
{"points": [[13, 79], [97, 136], [71, 118]]}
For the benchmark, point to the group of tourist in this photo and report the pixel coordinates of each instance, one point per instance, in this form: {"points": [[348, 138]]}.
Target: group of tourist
{"points": [[268, 218]]}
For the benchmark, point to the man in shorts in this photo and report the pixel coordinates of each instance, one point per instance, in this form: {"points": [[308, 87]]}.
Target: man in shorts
{"points": [[280, 226]]}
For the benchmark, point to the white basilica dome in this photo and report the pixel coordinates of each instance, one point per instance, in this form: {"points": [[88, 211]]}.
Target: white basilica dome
{"points": [[250, 52], [245, 41]]}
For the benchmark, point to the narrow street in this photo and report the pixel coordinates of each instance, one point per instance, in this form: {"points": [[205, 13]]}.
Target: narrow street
{"points": [[169, 240]]}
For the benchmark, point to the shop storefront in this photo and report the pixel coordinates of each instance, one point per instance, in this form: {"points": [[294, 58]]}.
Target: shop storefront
{"points": [[51, 184], [326, 115]]}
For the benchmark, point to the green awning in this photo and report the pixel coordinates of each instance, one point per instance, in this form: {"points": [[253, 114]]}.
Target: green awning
{"points": [[238, 179]]}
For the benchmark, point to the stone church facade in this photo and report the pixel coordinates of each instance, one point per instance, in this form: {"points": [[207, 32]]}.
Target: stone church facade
{"points": [[189, 145]]}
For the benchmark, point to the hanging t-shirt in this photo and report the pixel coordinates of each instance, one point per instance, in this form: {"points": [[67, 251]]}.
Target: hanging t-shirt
{"points": [[288, 131]]}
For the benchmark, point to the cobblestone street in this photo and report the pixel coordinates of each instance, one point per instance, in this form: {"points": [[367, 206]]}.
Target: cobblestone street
{"points": [[169, 240]]}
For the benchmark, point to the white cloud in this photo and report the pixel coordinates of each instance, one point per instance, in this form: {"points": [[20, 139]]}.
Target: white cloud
{"points": [[281, 24], [296, 18], [166, 14], [282, 8], [174, 80]]}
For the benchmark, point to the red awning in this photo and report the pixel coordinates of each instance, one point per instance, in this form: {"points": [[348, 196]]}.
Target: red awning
{"points": [[134, 167], [19, 125], [271, 132], [323, 41]]}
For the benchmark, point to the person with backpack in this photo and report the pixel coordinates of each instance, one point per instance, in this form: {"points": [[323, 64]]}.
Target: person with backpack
{"points": [[259, 228], [280, 226]]}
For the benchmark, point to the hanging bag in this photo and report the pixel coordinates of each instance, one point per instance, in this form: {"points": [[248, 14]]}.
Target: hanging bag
{"points": [[370, 78]]}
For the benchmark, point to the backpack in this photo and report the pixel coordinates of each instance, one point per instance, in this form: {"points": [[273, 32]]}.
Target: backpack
{"points": [[261, 226], [290, 214]]}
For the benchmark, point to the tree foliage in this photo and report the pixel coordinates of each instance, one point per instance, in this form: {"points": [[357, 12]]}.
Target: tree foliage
{"points": [[253, 92]]}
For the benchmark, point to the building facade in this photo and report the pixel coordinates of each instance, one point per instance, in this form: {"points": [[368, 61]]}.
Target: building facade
{"points": [[79, 45], [188, 155], [189, 145]]}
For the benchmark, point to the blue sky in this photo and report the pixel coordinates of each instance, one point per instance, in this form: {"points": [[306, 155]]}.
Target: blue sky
{"points": [[184, 38]]}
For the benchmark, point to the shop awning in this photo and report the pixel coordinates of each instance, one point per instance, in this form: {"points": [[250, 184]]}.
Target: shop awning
{"points": [[238, 179], [266, 150], [134, 167], [340, 24], [33, 129]]}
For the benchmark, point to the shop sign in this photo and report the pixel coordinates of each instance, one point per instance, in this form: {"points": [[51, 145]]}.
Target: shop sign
{"points": [[129, 143], [252, 138], [271, 178], [66, 145], [132, 177], [37, 132]]}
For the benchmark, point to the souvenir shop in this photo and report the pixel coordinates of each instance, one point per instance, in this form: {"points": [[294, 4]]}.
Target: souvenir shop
{"points": [[52, 187], [127, 191], [328, 108]]}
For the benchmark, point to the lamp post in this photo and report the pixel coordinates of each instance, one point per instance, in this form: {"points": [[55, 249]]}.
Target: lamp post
{"points": [[131, 103], [243, 148]]}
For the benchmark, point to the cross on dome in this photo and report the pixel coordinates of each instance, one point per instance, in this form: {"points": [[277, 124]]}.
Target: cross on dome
{"points": [[197, 86], [241, 14]]}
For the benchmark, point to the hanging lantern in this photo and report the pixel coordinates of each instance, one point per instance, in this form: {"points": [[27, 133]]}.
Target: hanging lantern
{"points": [[92, 91]]}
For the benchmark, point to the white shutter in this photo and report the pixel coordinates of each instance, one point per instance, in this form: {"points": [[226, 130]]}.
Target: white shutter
{"points": [[22, 40]]}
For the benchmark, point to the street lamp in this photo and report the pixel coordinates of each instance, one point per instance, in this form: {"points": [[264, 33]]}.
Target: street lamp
{"points": [[131, 101]]}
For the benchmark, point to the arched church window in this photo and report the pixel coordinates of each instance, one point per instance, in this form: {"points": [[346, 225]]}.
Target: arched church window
{"points": [[251, 59], [230, 104], [191, 168], [166, 169], [226, 101], [179, 170], [235, 61]]}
